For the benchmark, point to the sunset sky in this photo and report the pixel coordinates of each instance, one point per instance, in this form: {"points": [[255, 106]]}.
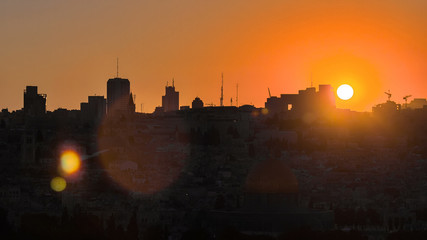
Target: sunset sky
{"points": [[69, 49]]}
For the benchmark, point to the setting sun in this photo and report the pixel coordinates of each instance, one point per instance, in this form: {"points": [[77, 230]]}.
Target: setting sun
{"points": [[345, 92]]}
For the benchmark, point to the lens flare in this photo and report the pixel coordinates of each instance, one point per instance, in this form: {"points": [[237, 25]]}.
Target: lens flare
{"points": [[70, 162], [58, 184]]}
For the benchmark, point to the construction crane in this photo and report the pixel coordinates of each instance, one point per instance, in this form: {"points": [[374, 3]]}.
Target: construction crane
{"points": [[406, 100], [388, 95], [269, 94]]}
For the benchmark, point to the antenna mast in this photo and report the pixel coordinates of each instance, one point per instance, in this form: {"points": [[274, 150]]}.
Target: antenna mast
{"points": [[222, 90], [311, 79], [237, 95], [117, 76]]}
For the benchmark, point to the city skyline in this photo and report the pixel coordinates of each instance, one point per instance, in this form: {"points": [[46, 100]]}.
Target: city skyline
{"points": [[213, 120], [70, 49], [171, 88]]}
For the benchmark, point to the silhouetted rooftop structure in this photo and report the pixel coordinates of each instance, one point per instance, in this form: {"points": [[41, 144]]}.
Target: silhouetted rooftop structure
{"points": [[34, 103], [94, 109], [170, 101], [197, 103], [417, 103], [118, 97], [388, 107], [307, 100]]}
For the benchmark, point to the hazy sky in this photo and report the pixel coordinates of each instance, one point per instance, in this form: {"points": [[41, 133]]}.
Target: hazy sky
{"points": [[69, 49]]}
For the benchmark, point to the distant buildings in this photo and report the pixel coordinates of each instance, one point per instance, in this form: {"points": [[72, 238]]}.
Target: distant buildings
{"points": [[170, 102], [417, 103], [388, 107], [307, 100], [270, 204], [34, 103], [197, 103], [94, 109], [391, 107], [119, 97]]}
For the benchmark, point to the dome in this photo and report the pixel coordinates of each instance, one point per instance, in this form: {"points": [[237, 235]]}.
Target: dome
{"points": [[247, 108], [271, 176]]}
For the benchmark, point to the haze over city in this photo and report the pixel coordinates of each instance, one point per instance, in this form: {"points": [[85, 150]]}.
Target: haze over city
{"points": [[69, 49], [213, 120]]}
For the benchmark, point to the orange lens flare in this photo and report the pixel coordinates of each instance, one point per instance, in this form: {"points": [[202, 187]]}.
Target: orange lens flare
{"points": [[70, 162]]}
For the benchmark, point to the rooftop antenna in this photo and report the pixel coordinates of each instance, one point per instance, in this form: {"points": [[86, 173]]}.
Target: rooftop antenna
{"points": [[231, 101], [237, 95], [269, 94], [311, 79], [173, 82], [222, 90], [388, 94], [117, 76]]}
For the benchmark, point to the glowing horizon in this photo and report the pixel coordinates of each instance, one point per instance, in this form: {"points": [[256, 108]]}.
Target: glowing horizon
{"points": [[69, 49]]}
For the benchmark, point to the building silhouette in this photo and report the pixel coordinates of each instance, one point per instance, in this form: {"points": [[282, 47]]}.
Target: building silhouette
{"points": [[170, 102], [308, 100], [34, 103], [417, 103], [197, 103], [389, 107], [119, 97], [94, 109]]}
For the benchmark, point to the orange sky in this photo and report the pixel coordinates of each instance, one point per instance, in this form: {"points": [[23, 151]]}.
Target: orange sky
{"points": [[69, 49]]}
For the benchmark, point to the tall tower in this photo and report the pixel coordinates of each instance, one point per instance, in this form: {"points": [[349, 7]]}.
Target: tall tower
{"points": [[119, 97], [170, 101], [118, 91], [221, 100]]}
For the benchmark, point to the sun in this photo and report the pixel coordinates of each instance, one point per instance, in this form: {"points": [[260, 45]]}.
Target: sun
{"points": [[345, 92]]}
